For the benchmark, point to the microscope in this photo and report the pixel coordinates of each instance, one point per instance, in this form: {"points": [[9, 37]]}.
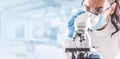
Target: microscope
{"points": [[82, 47]]}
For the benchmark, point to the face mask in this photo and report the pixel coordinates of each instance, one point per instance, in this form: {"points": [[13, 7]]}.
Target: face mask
{"points": [[97, 22]]}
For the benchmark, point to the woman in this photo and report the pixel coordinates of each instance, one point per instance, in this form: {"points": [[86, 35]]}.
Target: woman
{"points": [[105, 25]]}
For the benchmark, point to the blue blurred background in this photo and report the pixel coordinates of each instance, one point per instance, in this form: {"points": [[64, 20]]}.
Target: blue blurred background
{"points": [[34, 29]]}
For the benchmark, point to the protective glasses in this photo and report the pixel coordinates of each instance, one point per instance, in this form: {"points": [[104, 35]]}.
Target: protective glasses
{"points": [[98, 10]]}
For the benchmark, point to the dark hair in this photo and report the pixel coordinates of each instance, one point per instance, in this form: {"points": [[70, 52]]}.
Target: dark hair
{"points": [[115, 18]]}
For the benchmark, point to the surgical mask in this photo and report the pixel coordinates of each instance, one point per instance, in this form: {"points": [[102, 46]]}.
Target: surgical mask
{"points": [[97, 22]]}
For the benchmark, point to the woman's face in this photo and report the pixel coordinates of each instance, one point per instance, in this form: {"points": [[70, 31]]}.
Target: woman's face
{"points": [[94, 5], [97, 6]]}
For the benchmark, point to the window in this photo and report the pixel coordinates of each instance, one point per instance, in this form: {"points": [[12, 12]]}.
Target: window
{"points": [[20, 31]]}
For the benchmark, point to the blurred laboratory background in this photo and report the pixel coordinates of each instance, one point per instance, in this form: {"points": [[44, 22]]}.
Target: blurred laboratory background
{"points": [[34, 29]]}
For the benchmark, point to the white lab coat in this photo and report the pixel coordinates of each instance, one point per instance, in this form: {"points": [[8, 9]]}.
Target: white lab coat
{"points": [[108, 47]]}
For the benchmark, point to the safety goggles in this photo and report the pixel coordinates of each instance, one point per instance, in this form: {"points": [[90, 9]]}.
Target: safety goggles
{"points": [[98, 10]]}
